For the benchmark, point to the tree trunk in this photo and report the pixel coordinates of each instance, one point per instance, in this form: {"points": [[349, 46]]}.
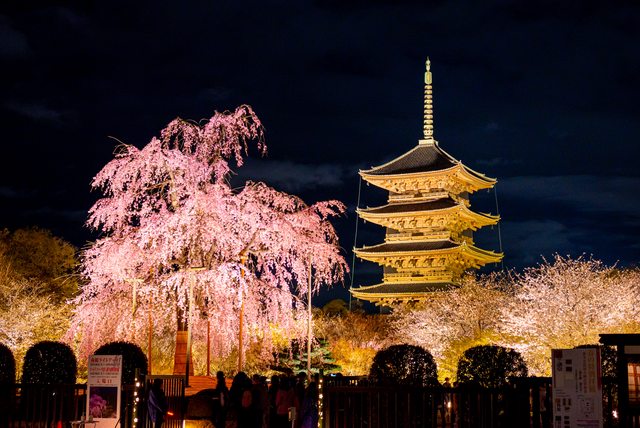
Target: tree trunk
{"points": [[180, 357]]}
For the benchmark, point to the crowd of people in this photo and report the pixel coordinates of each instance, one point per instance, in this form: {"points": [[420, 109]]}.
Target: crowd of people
{"points": [[285, 402]]}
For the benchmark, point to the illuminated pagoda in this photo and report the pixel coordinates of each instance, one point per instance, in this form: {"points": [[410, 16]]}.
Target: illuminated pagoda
{"points": [[428, 220]]}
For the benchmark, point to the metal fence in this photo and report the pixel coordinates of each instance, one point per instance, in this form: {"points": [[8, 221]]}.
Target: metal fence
{"points": [[27, 405], [174, 389], [53, 406], [347, 403], [354, 403]]}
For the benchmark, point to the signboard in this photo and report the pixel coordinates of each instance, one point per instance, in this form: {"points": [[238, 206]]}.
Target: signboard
{"points": [[104, 389], [577, 388]]}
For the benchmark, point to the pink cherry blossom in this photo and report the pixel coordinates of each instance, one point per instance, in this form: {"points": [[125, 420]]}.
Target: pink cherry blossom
{"points": [[173, 230]]}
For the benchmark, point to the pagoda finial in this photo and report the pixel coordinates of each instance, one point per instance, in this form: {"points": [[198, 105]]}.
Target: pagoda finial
{"points": [[428, 104]]}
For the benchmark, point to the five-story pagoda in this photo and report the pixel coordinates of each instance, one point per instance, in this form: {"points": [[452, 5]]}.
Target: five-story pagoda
{"points": [[428, 220]]}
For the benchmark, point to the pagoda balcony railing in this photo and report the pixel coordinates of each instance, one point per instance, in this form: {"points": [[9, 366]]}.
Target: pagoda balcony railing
{"points": [[423, 197], [410, 236], [410, 197], [407, 277]]}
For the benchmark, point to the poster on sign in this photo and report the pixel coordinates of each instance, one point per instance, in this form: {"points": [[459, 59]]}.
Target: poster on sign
{"points": [[103, 389], [577, 388]]}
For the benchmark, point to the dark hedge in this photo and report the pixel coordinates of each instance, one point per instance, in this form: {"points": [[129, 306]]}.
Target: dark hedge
{"points": [[404, 365], [7, 365], [49, 362], [490, 366]]}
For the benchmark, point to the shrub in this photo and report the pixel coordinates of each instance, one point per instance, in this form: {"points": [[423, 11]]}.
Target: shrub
{"points": [[7, 365], [49, 362], [404, 365], [490, 366], [132, 358]]}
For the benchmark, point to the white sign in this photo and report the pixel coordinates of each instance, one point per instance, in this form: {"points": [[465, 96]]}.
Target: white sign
{"points": [[577, 388], [104, 389]]}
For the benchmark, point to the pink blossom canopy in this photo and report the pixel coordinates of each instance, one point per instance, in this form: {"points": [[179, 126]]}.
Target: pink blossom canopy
{"points": [[174, 230]]}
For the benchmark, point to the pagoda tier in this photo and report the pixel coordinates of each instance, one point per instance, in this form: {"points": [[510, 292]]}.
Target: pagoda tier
{"points": [[394, 293], [422, 259], [429, 224], [424, 169], [443, 217]]}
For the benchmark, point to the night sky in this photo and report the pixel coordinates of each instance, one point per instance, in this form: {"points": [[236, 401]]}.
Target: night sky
{"points": [[544, 96]]}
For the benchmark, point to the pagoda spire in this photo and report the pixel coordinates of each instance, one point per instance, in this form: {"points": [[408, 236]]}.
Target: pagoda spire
{"points": [[428, 105]]}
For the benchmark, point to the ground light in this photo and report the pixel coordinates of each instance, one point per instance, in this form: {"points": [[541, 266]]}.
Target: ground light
{"points": [[320, 396], [136, 401]]}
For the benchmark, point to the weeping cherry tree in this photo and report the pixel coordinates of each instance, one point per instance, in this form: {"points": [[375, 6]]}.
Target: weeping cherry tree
{"points": [[179, 245]]}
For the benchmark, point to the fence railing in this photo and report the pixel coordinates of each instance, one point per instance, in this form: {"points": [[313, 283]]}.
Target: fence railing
{"points": [[347, 403], [353, 402], [174, 389], [46, 406], [41, 405]]}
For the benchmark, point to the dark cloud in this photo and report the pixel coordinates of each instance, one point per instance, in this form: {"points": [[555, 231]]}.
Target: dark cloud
{"points": [[295, 178], [589, 194], [13, 43], [526, 242], [9, 192], [541, 96], [36, 112]]}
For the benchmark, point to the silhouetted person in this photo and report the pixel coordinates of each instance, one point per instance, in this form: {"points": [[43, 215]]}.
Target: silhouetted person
{"points": [[223, 400], [285, 399], [309, 416], [273, 391], [157, 403], [300, 386], [241, 400], [235, 396], [259, 401]]}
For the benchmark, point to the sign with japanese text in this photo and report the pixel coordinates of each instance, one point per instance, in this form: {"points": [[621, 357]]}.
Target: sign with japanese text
{"points": [[103, 389], [577, 388]]}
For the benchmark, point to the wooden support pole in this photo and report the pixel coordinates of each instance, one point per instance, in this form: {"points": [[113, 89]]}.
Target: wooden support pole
{"points": [[189, 309], [208, 346], [309, 324], [243, 260], [150, 337]]}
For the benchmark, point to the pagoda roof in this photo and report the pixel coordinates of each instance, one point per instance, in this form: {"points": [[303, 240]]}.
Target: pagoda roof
{"points": [[423, 157], [446, 206], [437, 204], [411, 246], [397, 291], [427, 248], [427, 156]]}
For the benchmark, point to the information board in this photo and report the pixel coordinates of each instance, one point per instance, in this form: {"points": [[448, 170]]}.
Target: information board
{"points": [[577, 388], [104, 389]]}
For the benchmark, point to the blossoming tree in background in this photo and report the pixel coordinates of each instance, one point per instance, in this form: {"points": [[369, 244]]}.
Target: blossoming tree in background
{"points": [[35, 282], [454, 321], [567, 303], [561, 303], [175, 234]]}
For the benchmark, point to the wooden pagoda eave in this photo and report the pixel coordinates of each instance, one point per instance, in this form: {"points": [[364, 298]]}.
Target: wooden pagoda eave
{"points": [[458, 213], [475, 257], [362, 294], [393, 296], [471, 178], [472, 181]]}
